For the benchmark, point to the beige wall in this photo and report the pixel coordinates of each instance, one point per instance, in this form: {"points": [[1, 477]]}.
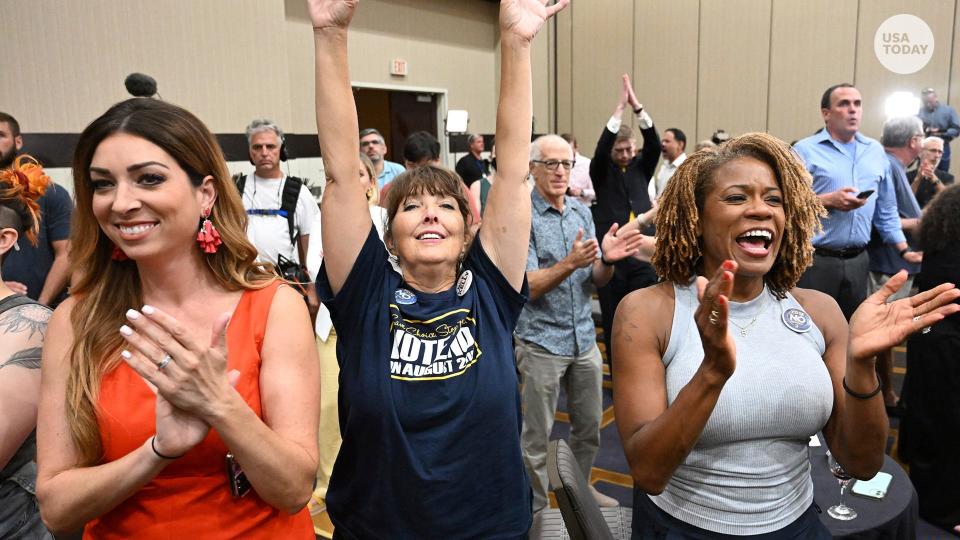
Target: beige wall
{"points": [[742, 65], [229, 61]]}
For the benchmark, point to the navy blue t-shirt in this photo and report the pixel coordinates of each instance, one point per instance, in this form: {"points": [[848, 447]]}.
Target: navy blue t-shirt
{"points": [[30, 265], [429, 405]]}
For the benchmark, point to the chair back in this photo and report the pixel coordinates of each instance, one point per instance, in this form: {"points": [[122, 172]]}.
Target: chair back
{"points": [[579, 509]]}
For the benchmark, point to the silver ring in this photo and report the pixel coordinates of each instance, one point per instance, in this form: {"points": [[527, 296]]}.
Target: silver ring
{"points": [[916, 319], [163, 363], [926, 330], [714, 317]]}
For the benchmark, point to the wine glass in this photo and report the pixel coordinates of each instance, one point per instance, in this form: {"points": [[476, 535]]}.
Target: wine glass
{"points": [[840, 511]]}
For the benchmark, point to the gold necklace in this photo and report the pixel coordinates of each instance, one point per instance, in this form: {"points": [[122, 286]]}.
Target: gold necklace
{"points": [[743, 329]]}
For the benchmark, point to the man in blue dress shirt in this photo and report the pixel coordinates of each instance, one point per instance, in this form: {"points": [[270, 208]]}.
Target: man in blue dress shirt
{"points": [[939, 120], [851, 175]]}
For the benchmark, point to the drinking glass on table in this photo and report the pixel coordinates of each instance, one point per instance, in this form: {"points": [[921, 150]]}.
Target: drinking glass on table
{"points": [[840, 511]]}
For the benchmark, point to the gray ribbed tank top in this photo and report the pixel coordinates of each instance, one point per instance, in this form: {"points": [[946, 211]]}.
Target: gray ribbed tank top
{"points": [[749, 472]]}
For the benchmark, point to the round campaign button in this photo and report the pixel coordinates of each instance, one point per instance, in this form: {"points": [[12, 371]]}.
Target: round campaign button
{"points": [[463, 284], [797, 320], [404, 297]]}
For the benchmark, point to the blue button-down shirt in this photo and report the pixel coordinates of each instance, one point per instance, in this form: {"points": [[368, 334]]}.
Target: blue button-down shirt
{"points": [[943, 117], [390, 171], [885, 258], [833, 168], [560, 321]]}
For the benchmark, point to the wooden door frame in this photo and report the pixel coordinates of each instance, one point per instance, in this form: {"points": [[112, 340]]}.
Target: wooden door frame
{"points": [[441, 94]]}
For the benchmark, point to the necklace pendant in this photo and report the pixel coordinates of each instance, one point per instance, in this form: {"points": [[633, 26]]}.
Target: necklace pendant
{"points": [[743, 333]]}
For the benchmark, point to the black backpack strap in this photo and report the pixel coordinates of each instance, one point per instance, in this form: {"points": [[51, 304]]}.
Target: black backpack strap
{"points": [[240, 180], [288, 204]]}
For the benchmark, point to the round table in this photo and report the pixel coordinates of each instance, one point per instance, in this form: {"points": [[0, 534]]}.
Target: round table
{"points": [[894, 516]]}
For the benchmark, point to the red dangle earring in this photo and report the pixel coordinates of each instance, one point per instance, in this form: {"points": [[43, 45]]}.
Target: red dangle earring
{"points": [[208, 237], [117, 254]]}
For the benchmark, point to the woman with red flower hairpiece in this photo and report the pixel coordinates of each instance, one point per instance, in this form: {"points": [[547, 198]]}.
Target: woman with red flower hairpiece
{"points": [[23, 323]]}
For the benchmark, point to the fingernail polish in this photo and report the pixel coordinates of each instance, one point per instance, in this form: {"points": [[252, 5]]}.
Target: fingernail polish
{"points": [[126, 354], [148, 309], [126, 330], [133, 314]]}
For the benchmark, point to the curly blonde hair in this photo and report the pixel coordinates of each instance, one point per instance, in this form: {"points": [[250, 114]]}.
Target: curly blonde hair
{"points": [[679, 248]]}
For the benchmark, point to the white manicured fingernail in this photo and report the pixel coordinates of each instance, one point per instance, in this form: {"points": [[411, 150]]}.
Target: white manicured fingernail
{"points": [[133, 314], [126, 354], [148, 309], [126, 330]]}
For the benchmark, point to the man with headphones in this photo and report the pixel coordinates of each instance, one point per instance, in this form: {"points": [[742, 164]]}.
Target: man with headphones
{"points": [[280, 210]]}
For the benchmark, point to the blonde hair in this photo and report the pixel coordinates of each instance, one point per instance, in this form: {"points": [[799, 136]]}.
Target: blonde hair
{"points": [[679, 248], [106, 288]]}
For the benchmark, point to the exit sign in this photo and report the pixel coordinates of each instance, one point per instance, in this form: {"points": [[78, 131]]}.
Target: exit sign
{"points": [[398, 67]]}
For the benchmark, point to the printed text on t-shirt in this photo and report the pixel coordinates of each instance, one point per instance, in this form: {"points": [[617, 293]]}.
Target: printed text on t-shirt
{"points": [[440, 348]]}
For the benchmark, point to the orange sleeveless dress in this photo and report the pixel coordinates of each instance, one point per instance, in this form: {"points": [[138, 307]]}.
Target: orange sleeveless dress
{"points": [[190, 498]]}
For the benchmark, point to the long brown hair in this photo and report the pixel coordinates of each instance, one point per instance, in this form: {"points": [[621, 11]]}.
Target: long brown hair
{"points": [[106, 288], [681, 205]]}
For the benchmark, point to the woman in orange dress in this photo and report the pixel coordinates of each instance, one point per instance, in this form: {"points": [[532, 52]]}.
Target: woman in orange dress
{"points": [[176, 352]]}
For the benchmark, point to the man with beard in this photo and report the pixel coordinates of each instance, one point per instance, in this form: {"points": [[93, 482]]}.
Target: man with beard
{"points": [[373, 145], [38, 272]]}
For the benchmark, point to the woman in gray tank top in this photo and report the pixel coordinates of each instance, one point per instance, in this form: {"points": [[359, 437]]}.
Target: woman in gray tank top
{"points": [[725, 369], [23, 323]]}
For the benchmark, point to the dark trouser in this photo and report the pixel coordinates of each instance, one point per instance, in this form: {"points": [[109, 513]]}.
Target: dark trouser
{"points": [[650, 522], [843, 279], [628, 276]]}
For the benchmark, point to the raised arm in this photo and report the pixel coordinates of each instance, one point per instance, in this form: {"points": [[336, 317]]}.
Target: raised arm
{"points": [[506, 220], [601, 153], [346, 221]]}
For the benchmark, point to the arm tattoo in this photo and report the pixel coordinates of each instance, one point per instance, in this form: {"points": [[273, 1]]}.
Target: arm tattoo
{"points": [[27, 358], [31, 317]]}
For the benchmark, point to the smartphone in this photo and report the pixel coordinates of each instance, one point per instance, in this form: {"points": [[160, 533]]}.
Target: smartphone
{"points": [[874, 488], [865, 194], [239, 485]]}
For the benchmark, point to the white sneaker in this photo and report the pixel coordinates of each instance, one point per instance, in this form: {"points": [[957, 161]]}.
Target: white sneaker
{"points": [[603, 501]]}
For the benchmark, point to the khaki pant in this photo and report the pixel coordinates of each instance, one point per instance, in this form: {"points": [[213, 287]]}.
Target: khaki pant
{"points": [[329, 433], [541, 374]]}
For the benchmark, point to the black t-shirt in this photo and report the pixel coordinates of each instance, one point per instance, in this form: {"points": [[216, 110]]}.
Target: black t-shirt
{"points": [[429, 405], [472, 169], [30, 265]]}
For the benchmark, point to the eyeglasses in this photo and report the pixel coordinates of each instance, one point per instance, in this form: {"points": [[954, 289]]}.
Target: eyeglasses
{"points": [[364, 144], [552, 164]]}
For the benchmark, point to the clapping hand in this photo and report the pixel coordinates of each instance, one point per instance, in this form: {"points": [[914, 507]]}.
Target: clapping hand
{"points": [[523, 18], [631, 97], [719, 349], [189, 377], [620, 246], [583, 252], [877, 325]]}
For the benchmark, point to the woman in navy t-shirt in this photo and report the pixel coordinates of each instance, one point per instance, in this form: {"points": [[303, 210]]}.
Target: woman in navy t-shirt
{"points": [[429, 409]]}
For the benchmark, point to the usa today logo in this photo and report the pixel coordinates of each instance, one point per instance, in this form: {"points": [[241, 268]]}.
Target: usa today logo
{"points": [[903, 44]]}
